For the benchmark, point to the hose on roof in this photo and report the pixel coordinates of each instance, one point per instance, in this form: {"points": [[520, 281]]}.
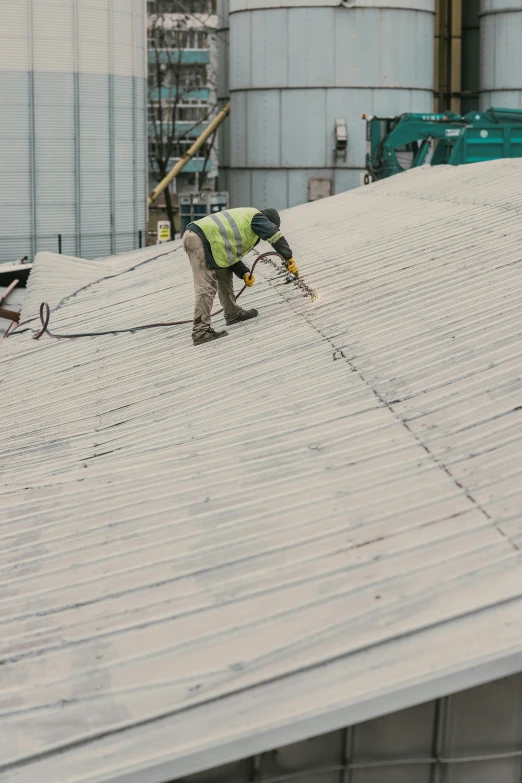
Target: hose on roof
{"points": [[45, 310]]}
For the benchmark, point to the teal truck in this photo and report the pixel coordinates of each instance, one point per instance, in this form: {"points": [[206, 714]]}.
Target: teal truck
{"points": [[396, 144]]}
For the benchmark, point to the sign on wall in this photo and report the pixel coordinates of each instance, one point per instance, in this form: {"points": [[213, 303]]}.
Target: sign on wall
{"points": [[164, 232]]}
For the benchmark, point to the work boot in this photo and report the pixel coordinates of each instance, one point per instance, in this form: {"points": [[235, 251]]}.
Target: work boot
{"points": [[208, 335], [242, 315]]}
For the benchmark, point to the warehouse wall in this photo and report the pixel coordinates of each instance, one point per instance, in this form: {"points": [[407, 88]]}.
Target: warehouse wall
{"points": [[471, 737]]}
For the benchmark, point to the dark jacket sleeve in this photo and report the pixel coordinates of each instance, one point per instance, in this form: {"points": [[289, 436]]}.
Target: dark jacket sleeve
{"points": [[240, 269], [268, 231]]}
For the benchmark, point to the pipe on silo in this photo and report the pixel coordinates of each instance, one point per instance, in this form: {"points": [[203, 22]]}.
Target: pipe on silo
{"points": [[448, 55], [437, 57], [470, 56], [456, 55]]}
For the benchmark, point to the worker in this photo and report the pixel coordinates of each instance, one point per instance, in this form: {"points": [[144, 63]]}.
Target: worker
{"points": [[215, 246]]}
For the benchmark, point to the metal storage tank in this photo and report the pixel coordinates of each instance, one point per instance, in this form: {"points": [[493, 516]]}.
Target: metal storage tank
{"points": [[72, 126], [298, 66], [501, 54]]}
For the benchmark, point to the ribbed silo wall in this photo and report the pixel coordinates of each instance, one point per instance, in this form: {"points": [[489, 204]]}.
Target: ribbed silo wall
{"points": [[501, 54], [72, 126], [296, 66]]}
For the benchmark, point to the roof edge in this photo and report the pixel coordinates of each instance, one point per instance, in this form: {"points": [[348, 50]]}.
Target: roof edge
{"points": [[311, 726], [250, 741]]}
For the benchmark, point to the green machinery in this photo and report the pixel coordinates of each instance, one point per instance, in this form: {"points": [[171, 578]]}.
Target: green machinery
{"points": [[396, 144]]}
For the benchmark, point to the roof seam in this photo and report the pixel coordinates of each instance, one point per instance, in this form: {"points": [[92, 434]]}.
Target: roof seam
{"points": [[338, 353], [433, 456]]}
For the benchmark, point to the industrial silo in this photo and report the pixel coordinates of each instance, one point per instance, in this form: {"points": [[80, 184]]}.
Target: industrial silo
{"points": [[501, 54], [302, 72], [72, 126]]}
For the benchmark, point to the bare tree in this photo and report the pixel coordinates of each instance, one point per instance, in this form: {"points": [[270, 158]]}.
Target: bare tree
{"points": [[173, 78]]}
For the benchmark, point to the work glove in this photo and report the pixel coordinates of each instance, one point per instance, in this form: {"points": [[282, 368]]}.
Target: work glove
{"points": [[291, 266], [249, 279]]}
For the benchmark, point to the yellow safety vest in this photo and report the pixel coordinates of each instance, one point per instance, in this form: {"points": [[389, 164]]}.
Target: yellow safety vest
{"points": [[230, 234]]}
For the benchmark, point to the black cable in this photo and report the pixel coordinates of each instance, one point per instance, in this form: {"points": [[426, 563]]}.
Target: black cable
{"points": [[93, 282], [45, 310]]}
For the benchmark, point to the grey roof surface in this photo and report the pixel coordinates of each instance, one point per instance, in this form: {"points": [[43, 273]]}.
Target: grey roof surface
{"points": [[209, 552]]}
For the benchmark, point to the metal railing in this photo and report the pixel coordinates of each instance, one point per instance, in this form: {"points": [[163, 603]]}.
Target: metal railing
{"points": [[87, 245]]}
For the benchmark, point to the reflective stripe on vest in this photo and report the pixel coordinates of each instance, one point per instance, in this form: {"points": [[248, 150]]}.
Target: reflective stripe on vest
{"points": [[235, 229], [230, 234], [224, 236], [274, 239]]}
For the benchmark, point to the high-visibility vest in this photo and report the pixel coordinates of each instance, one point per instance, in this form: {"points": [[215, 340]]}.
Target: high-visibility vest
{"points": [[230, 234]]}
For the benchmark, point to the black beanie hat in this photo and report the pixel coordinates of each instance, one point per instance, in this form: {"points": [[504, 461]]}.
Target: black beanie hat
{"points": [[272, 215]]}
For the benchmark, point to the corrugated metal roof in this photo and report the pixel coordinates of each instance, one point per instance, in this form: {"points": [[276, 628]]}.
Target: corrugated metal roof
{"points": [[210, 552]]}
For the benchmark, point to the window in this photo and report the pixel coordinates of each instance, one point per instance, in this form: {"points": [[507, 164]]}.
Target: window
{"points": [[179, 149], [191, 113], [162, 7], [185, 112], [178, 39], [182, 146], [190, 77], [172, 7], [199, 6], [183, 39], [179, 78], [201, 40]]}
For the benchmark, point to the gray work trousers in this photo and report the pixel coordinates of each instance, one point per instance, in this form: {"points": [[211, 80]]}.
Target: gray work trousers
{"points": [[206, 283]]}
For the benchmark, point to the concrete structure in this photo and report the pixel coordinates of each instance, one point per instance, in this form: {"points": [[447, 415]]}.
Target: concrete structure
{"points": [[72, 126], [296, 68], [501, 54], [316, 522], [189, 80]]}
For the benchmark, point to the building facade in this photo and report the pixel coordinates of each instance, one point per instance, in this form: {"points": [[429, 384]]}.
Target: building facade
{"points": [[182, 89]]}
